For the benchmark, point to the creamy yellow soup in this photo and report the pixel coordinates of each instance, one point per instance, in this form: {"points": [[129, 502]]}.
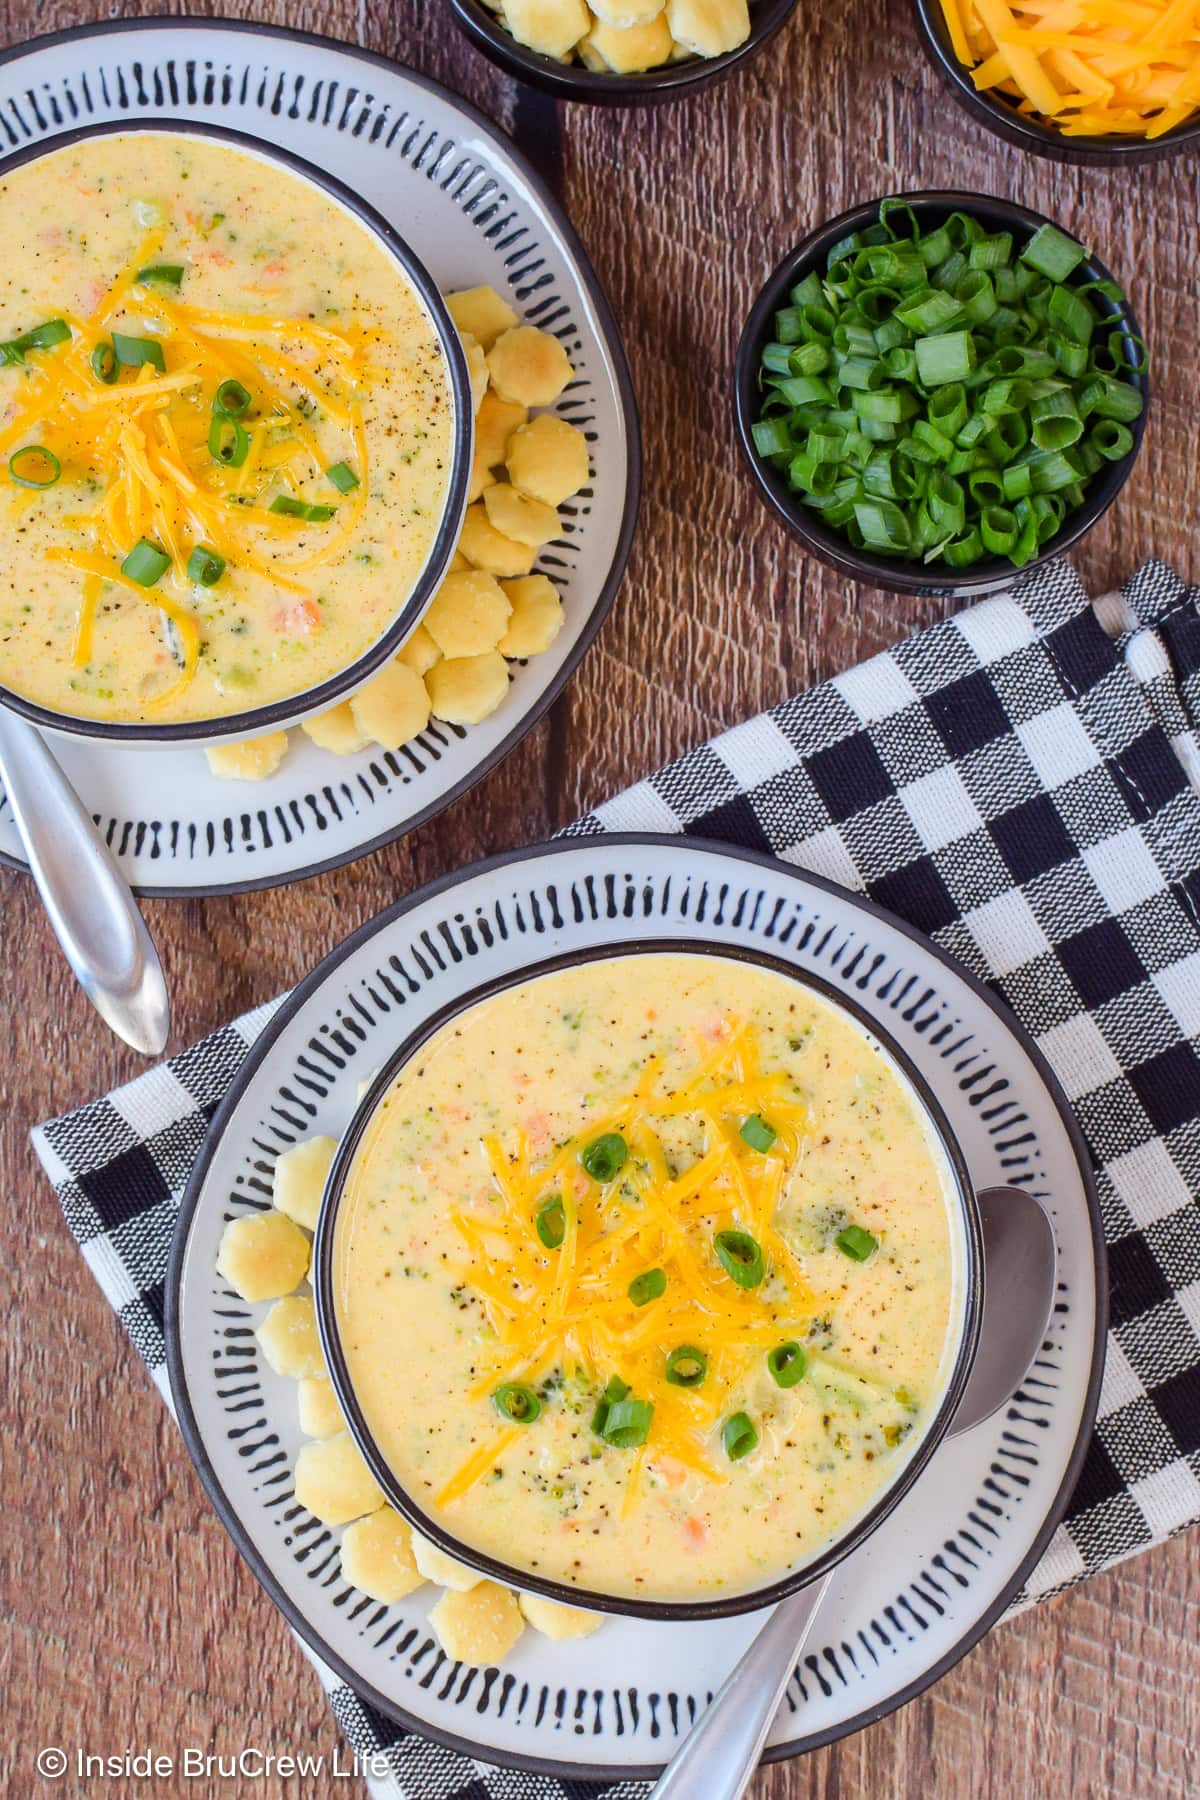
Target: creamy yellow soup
{"points": [[648, 1275], [176, 547]]}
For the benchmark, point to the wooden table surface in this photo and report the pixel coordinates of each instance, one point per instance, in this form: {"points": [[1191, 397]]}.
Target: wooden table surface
{"points": [[126, 1617]]}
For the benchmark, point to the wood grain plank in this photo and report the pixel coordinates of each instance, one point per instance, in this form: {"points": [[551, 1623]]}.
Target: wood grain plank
{"points": [[126, 1617]]}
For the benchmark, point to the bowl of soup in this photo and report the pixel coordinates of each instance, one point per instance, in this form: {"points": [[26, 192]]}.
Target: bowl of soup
{"points": [[649, 1281], [235, 435]]}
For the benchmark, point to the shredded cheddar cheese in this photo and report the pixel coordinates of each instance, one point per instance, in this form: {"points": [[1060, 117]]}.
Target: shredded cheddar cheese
{"points": [[570, 1307], [140, 443], [1092, 68]]}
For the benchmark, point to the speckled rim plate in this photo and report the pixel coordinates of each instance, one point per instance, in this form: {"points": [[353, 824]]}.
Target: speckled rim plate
{"points": [[929, 1582], [474, 211]]}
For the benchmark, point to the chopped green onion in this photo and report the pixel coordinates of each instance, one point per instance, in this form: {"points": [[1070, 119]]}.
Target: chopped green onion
{"points": [[961, 552], [771, 437], [229, 444], [627, 1424], [146, 563], [552, 1223], [33, 466], [740, 1256], [900, 363], [885, 407], [40, 337], [806, 390], [991, 252], [1072, 359], [1056, 421], [132, 352], [977, 295], [856, 1243], [1119, 344], [170, 274], [986, 486], [687, 1366], [616, 1389], [810, 358], [1053, 470], [232, 399], [1051, 252], [1111, 399], [519, 1405], [205, 566], [605, 1157], [948, 408], [933, 444], [857, 372], [1071, 316], [932, 311], [757, 1133], [948, 357], [651, 1284], [1112, 440], [790, 329], [825, 446], [883, 526], [343, 477], [1017, 481], [105, 366], [808, 292], [947, 507], [286, 504], [738, 1436], [899, 209], [935, 246], [1007, 394], [998, 529], [44, 337], [786, 1363]]}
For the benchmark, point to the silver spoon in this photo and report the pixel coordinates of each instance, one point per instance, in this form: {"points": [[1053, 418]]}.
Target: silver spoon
{"points": [[87, 899], [717, 1759]]}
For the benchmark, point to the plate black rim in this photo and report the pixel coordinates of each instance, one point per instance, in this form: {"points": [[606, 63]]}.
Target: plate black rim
{"points": [[614, 345], [258, 1053]]}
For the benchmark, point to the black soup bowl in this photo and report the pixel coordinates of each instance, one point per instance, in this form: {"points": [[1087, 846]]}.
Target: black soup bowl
{"points": [[829, 543], [965, 1322]]}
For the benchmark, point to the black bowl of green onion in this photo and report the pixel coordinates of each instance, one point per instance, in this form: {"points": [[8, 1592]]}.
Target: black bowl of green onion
{"points": [[939, 390]]}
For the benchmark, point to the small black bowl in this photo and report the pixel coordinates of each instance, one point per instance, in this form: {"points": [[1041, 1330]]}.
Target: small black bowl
{"points": [[571, 81], [901, 577], [1002, 117]]}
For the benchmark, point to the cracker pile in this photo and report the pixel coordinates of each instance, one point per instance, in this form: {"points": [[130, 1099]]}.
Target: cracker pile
{"points": [[267, 1256], [491, 608], [624, 37]]}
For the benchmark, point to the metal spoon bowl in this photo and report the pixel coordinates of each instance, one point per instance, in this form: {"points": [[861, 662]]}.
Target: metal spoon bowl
{"points": [[717, 1759]]}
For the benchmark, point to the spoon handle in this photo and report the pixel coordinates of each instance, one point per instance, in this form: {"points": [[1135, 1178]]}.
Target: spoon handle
{"points": [[87, 899], [719, 1755]]}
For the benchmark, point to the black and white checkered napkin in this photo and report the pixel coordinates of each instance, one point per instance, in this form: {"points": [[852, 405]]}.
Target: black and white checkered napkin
{"points": [[1022, 782]]}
